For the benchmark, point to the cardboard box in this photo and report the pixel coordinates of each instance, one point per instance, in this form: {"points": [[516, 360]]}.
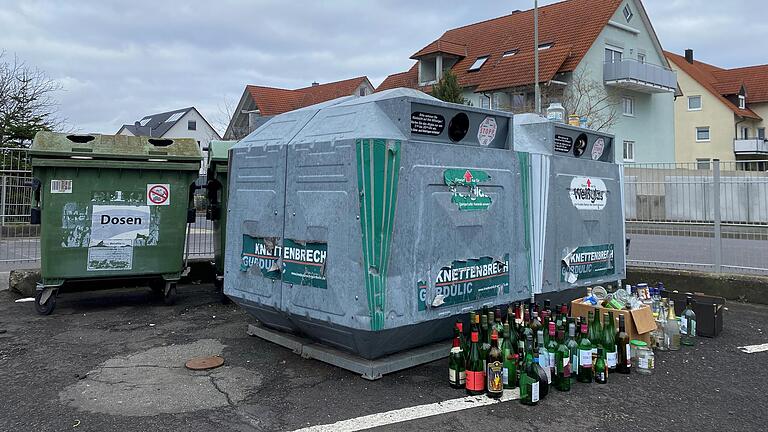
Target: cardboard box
{"points": [[638, 323], [708, 309]]}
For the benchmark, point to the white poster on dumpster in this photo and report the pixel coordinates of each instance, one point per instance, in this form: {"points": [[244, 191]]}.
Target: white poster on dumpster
{"points": [[588, 193], [110, 255], [114, 222]]}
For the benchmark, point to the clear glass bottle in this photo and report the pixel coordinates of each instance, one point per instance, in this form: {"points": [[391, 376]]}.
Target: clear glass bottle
{"points": [[643, 360], [661, 325], [672, 329], [688, 324]]}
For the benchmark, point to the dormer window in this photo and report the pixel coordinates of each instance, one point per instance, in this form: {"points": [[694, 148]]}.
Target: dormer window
{"points": [[509, 53], [478, 64], [546, 46], [628, 13], [742, 102]]}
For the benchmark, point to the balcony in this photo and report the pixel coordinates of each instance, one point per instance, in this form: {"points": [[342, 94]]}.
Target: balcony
{"points": [[632, 75], [750, 146]]}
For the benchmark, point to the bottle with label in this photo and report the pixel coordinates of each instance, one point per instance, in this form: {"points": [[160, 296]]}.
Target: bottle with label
{"points": [[509, 366], [573, 348], [544, 356], [551, 349], [594, 334], [563, 364], [529, 385], [585, 356], [539, 371], [661, 325], [624, 356], [485, 339], [601, 369], [688, 324], [609, 343], [462, 339], [494, 372], [475, 376], [672, 329], [456, 366]]}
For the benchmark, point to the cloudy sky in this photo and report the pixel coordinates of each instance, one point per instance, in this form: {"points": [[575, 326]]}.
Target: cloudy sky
{"points": [[120, 60]]}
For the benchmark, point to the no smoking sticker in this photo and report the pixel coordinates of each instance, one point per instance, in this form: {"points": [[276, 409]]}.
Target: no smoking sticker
{"points": [[158, 194]]}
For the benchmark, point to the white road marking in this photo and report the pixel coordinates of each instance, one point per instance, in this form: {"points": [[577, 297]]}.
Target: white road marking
{"points": [[751, 349], [411, 413]]}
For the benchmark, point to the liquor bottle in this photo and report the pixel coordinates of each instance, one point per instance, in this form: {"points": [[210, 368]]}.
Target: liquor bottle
{"points": [[509, 368], [551, 346], [573, 348], [543, 356], [485, 339], [475, 377], [609, 343], [529, 386], [494, 371], [672, 330], [562, 364], [688, 324], [456, 366], [585, 356], [542, 374], [601, 369], [624, 364]]}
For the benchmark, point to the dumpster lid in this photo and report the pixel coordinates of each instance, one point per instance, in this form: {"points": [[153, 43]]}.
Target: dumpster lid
{"points": [[218, 150], [115, 147]]}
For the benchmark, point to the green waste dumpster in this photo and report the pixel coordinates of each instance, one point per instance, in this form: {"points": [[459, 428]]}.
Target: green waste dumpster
{"points": [[217, 201], [111, 207]]}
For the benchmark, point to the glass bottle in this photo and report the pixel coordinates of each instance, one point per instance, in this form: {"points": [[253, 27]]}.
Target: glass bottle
{"points": [[539, 371], [601, 369], [661, 325], [456, 366], [688, 324], [485, 339], [462, 340], [563, 364], [672, 329], [552, 344], [543, 356], [609, 343], [494, 385], [573, 348], [497, 325], [585, 356], [624, 356], [509, 368], [529, 385], [475, 377]]}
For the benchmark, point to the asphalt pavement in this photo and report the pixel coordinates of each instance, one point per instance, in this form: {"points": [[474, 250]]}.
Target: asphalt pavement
{"points": [[113, 361]]}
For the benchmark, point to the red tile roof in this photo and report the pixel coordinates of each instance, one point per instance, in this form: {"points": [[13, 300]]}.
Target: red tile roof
{"points": [[442, 46], [273, 101], [724, 82], [572, 26]]}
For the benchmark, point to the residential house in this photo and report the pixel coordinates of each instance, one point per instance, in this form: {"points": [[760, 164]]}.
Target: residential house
{"points": [[721, 114], [258, 103], [180, 123], [605, 51]]}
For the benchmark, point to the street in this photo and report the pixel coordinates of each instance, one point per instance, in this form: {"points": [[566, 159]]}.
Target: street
{"points": [[113, 360]]}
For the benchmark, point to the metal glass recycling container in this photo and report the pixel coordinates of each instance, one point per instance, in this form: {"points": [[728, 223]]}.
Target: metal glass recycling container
{"points": [[111, 207], [577, 204], [218, 169], [369, 223]]}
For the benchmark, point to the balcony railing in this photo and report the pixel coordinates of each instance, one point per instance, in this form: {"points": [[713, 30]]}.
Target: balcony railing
{"points": [[639, 76], [755, 146]]}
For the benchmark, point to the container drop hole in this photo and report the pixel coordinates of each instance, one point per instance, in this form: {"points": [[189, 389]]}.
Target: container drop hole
{"points": [[458, 127], [160, 142], [81, 139]]}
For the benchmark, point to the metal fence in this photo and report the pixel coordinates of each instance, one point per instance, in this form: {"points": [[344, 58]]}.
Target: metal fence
{"points": [[698, 216]]}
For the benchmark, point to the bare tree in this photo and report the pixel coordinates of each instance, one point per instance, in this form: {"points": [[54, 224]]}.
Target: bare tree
{"points": [[225, 114], [586, 97], [27, 103]]}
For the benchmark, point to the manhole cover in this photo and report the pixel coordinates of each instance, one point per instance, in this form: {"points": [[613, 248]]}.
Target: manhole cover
{"points": [[205, 363]]}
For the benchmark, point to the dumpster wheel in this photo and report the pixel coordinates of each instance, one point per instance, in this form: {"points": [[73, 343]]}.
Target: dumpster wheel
{"points": [[169, 297], [48, 298]]}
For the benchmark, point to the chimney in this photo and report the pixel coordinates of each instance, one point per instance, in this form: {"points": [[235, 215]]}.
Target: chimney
{"points": [[689, 55], [315, 84]]}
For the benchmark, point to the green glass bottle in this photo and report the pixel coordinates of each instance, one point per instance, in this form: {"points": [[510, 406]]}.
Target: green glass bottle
{"points": [[601, 369], [462, 339], [475, 376], [497, 324], [456, 366], [551, 349], [594, 334], [509, 371], [573, 348], [609, 343], [688, 324], [485, 339], [529, 385], [563, 364], [585, 356]]}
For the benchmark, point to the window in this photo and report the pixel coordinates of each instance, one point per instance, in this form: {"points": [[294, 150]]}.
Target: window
{"points": [[174, 117], [745, 133], [191, 125], [703, 164], [509, 53], [612, 55], [628, 105], [761, 133], [485, 101], [641, 58], [518, 101], [546, 46], [742, 101], [629, 151], [702, 134], [628, 13], [694, 103], [478, 63], [144, 121], [363, 91]]}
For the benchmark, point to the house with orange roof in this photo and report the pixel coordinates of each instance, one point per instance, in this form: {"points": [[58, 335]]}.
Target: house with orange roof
{"points": [[608, 47], [721, 115], [259, 103]]}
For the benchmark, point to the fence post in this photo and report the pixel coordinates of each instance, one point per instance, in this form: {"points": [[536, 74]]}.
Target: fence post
{"points": [[2, 199], [717, 246]]}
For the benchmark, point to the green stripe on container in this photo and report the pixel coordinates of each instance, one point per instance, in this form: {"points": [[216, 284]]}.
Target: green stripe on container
{"points": [[525, 185]]}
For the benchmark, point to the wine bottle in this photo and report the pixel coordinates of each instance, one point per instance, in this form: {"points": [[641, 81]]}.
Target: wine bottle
{"points": [[497, 325], [573, 348], [509, 367], [539, 371], [529, 386], [688, 324], [543, 356], [585, 356], [624, 360], [609, 343], [672, 330], [462, 340], [563, 364], [551, 349], [601, 369], [475, 377], [485, 339], [494, 371], [456, 366]]}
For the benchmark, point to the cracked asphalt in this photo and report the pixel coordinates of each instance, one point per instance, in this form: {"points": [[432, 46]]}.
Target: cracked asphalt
{"points": [[113, 360]]}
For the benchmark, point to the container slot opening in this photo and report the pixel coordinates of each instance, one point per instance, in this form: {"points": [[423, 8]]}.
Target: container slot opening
{"points": [[82, 149], [160, 142], [458, 127], [81, 139], [157, 152]]}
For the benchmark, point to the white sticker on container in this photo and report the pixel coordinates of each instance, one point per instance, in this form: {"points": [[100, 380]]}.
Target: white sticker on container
{"points": [[159, 194], [588, 193], [598, 148], [487, 131], [110, 255], [115, 222], [61, 186]]}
